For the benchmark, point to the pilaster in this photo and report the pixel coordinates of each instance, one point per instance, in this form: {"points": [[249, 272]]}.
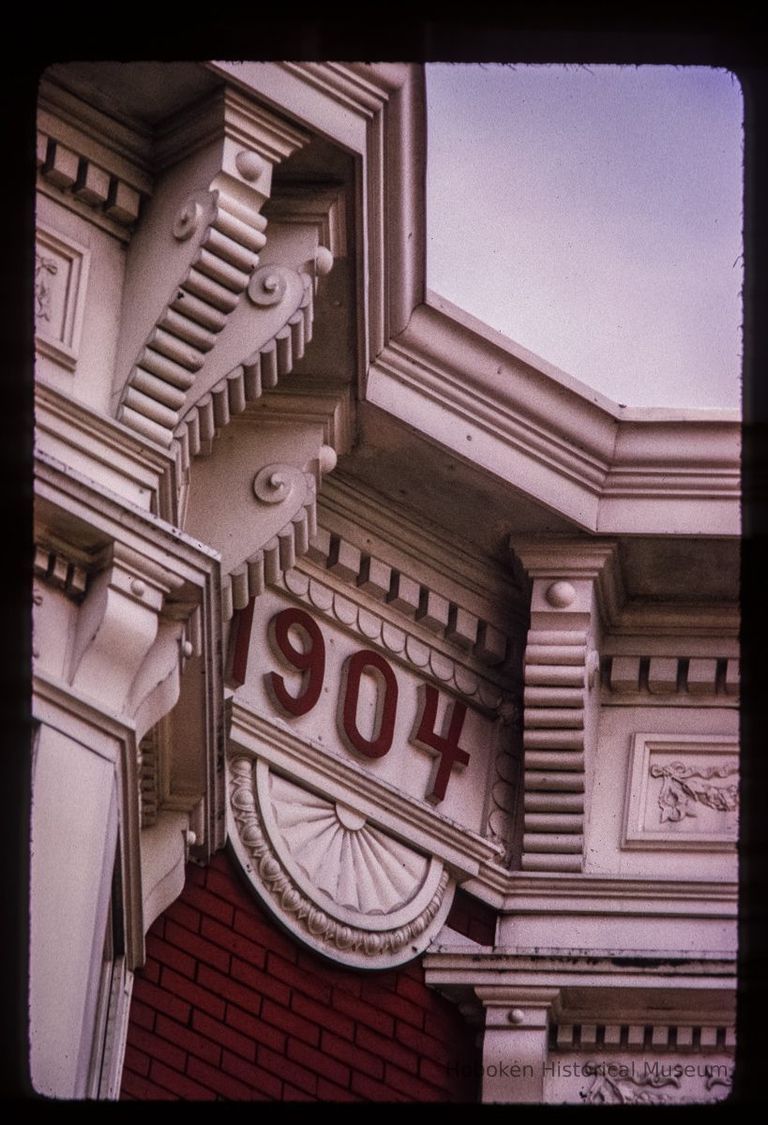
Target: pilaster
{"points": [[515, 1042]]}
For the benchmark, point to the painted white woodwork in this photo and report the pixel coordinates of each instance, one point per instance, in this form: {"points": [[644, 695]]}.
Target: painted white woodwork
{"points": [[74, 830], [626, 834], [98, 447], [495, 533], [609, 469], [343, 886], [164, 854], [404, 766], [560, 701], [61, 280], [75, 351], [599, 1029], [515, 1042], [271, 509]]}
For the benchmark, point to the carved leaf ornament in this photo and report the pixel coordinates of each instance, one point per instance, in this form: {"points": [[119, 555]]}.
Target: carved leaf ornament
{"points": [[686, 786], [645, 1089]]}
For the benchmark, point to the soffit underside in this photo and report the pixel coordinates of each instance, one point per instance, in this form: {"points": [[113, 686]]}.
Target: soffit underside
{"points": [[433, 487]]}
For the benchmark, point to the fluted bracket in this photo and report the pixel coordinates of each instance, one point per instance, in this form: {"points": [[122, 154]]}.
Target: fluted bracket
{"points": [[256, 498], [560, 673], [193, 256]]}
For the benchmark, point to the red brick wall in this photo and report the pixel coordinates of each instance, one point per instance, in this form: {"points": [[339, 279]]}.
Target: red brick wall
{"points": [[228, 1006]]}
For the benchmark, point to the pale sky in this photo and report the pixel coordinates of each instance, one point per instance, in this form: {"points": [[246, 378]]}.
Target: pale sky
{"points": [[594, 215]]}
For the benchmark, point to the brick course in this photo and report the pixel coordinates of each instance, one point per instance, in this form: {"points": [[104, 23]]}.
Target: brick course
{"points": [[232, 1008]]}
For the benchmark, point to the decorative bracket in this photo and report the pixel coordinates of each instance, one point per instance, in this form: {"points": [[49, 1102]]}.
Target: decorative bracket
{"points": [[194, 254], [131, 647], [561, 665]]}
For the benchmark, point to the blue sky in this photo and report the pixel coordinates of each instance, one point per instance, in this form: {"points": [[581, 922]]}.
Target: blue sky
{"points": [[594, 215]]}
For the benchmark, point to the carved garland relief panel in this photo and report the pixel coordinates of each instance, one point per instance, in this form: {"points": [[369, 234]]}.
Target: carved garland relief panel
{"points": [[61, 279], [683, 792], [688, 1060], [398, 713]]}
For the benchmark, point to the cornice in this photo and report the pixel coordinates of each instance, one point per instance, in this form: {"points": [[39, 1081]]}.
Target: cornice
{"points": [[98, 515], [608, 469], [542, 433], [674, 620], [126, 149], [713, 972], [346, 504], [534, 892], [90, 162], [555, 892], [495, 411], [132, 465], [391, 100], [689, 681], [201, 123], [565, 557], [443, 660], [352, 85]]}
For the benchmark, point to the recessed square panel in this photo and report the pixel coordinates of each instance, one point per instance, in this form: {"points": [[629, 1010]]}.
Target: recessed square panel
{"points": [[61, 277], [682, 792]]}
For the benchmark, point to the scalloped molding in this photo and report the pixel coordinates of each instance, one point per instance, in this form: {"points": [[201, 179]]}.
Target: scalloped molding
{"points": [[372, 939], [475, 683], [395, 631], [411, 599]]}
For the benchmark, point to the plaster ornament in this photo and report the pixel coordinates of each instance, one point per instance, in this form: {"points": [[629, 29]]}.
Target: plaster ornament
{"points": [[275, 483], [685, 786], [645, 1089], [44, 267], [250, 165], [189, 218], [267, 286], [560, 594], [342, 885]]}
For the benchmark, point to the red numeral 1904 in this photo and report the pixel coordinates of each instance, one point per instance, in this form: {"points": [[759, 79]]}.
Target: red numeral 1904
{"points": [[309, 660]]}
